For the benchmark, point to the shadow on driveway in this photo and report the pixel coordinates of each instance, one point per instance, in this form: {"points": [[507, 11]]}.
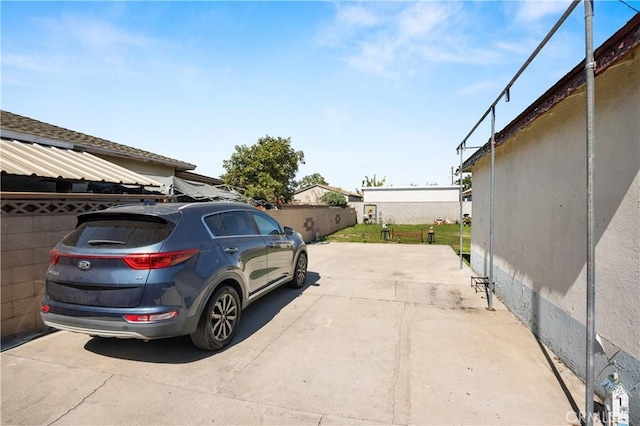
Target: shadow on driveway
{"points": [[180, 350]]}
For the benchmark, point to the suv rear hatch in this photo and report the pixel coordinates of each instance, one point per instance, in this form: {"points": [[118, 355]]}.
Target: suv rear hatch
{"points": [[106, 260]]}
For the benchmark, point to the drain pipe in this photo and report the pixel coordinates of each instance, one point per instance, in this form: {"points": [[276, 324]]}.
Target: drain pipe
{"points": [[591, 251]]}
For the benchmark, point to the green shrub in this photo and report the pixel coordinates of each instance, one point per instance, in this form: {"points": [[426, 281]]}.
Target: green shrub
{"points": [[334, 199]]}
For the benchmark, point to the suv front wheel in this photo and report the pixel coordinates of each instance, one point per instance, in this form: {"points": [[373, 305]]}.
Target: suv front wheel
{"points": [[219, 320], [299, 272]]}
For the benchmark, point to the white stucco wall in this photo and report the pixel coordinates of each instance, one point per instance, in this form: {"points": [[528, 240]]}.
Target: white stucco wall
{"points": [[540, 225], [412, 213], [409, 194]]}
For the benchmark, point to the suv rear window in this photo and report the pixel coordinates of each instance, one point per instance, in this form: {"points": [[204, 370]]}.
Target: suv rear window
{"points": [[118, 233]]}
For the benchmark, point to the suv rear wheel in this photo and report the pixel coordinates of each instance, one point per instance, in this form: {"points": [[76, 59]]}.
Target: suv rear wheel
{"points": [[219, 320]]}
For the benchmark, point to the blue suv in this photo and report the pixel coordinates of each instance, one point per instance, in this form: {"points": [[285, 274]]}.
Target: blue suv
{"points": [[164, 270]]}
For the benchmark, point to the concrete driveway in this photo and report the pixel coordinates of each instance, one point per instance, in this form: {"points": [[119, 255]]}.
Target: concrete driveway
{"points": [[382, 334]]}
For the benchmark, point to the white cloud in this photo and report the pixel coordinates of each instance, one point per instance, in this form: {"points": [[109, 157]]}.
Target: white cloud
{"points": [[479, 87], [399, 40], [28, 62], [87, 45], [376, 57], [521, 48], [421, 19], [95, 33], [349, 20], [533, 10], [355, 16]]}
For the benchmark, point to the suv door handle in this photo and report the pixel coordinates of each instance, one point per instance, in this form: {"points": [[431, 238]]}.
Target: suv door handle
{"points": [[271, 245], [233, 249]]}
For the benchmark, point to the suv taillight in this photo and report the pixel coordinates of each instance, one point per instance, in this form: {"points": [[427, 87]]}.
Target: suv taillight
{"points": [[158, 260], [133, 318], [53, 256]]}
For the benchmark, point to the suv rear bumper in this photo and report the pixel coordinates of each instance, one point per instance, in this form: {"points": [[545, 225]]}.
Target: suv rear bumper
{"points": [[102, 332], [118, 327]]}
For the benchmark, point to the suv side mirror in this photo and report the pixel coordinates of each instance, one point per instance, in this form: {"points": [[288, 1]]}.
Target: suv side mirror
{"points": [[288, 230]]}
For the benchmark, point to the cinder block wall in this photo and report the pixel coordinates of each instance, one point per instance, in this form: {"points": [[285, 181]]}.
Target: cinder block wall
{"points": [[27, 239], [321, 220]]}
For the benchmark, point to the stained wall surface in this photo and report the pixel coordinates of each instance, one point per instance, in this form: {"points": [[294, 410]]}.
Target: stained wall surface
{"points": [[541, 226]]}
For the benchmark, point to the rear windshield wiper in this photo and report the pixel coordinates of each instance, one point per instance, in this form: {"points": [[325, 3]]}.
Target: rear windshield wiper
{"points": [[104, 242]]}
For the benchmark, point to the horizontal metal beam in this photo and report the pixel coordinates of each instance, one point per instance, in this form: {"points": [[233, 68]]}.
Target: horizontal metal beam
{"points": [[507, 88]]}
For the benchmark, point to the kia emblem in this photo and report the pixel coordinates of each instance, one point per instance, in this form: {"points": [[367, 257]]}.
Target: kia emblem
{"points": [[85, 265]]}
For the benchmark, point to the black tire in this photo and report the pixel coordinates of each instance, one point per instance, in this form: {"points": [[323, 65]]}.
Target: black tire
{"points": [[219, 320], [299, 272]]}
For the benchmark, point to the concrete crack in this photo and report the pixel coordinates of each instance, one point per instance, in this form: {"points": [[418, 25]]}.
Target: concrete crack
{"points": [[398, 364], [83, 400]]}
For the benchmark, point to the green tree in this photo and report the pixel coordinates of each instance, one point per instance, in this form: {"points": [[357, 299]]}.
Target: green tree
{"points": [[334, 199], [466, 182], [373, 182], [265, 170], [310, 180]]}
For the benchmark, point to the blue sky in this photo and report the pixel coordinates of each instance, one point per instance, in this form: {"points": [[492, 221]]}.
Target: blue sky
{"points": [[362, 88]]}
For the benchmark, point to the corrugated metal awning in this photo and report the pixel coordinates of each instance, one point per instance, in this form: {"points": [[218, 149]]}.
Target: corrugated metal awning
{"points": [[202, 191], [25, 159]]}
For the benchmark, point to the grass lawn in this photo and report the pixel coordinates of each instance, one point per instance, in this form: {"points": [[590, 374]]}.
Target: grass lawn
{"points": [[444, 235]]}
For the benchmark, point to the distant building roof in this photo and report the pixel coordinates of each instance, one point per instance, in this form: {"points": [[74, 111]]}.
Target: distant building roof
{"points": [[14, 126], [411, 194], [412, 188], [330, 188]]}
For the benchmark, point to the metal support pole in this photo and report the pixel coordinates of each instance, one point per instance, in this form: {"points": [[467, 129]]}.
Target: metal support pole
{"points": [[591, 251], [491, 207], [507, 92], [461, 224]]}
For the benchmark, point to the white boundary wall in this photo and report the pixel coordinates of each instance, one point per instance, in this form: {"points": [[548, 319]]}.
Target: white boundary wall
{"points": [[407, 194], [412, 212]]}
